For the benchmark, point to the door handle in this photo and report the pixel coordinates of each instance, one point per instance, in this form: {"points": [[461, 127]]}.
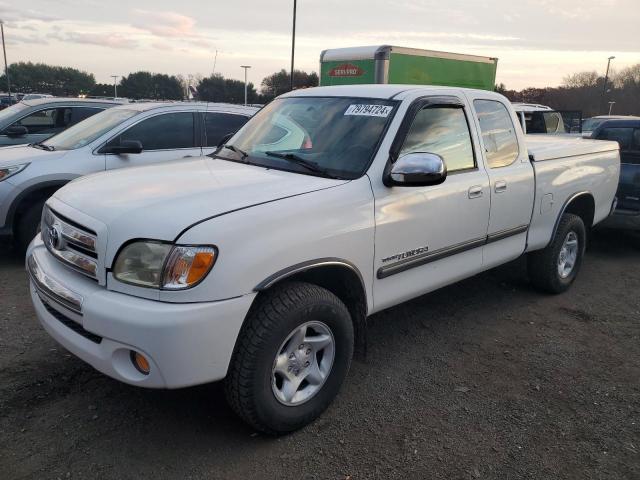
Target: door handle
{"points": [[475, 191], [500, 186], [188, 156]]}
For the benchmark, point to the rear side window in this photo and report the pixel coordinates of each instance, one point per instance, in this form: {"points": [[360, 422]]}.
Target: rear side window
{"points": [[217, 125], [624, 136], [443, 131], [49, 121], [167, 131], [498, 133], [80, 113]]}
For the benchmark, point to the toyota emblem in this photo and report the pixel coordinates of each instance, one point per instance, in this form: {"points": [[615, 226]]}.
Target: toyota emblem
{"points": [[54, 237]]}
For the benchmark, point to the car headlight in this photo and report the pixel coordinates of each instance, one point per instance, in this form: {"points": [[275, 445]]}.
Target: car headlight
{"points": [[164, 266], [6, 172]]}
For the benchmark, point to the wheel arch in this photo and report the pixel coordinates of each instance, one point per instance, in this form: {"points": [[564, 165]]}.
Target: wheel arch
{"points": [[340, 277], [581, 204], [29, 196]]}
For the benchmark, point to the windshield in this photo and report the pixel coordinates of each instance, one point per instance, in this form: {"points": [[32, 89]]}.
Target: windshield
{"points": [[326, 136], [10, 112], [88, 130], [590, 124]]}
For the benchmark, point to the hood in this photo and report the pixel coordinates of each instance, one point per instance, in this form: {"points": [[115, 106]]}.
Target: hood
{"points": [[18, 154], [160, 201]]}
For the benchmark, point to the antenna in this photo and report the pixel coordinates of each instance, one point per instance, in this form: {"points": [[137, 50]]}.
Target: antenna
{"points": [[215, 59]]}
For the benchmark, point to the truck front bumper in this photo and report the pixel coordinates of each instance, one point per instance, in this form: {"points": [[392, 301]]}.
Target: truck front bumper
{"points": [[185, 344]]}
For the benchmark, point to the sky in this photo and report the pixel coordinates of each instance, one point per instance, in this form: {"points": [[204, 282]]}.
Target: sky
{"points": [[538, 42]]}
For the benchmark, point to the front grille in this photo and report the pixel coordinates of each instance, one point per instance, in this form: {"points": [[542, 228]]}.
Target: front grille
{"points": [[71, 243], [67, 322]]}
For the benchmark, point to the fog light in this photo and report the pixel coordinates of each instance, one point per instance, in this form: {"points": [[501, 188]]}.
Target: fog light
{"points": [[140, 362]]}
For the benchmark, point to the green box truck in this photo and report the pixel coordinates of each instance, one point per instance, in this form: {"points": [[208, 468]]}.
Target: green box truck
{"points": [[388, 64]]}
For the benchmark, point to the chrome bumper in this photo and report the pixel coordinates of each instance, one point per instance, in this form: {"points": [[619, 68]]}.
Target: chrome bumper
{"points": [[52, 289]]}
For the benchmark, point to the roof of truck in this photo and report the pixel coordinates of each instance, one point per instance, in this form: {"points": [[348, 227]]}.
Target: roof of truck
{"points": [[381, 91], [382, 51]]}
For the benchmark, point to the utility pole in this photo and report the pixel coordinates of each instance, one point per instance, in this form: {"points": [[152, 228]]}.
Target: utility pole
{"points": [[6, 67], [611, 104], [115, 87], [215, 60], [246, 67], [604, 87], [293, 41]]}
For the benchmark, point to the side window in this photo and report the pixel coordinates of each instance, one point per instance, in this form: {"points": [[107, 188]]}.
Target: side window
{"points": [[623, 136], [498, 134], [636, 139], [444, 131], [49, 121], [166, 131], [217, 125], [81, 113]]}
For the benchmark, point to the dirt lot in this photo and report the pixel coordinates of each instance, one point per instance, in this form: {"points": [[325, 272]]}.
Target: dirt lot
{"points": [[484, 379]]}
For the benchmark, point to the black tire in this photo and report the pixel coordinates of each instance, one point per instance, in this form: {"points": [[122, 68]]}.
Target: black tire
{"points": [[27, 226], [275, 315], [543, 264]]}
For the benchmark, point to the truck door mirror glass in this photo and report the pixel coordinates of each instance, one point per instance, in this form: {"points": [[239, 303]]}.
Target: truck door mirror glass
{"points": [[16, 131], [125, 147], [418, 170]]}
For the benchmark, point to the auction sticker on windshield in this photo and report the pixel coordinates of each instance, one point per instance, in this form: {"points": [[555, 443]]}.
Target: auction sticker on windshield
{"points": [[369, 110]]}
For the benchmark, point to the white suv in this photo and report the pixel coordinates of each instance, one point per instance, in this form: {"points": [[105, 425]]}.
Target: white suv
{"points": [[128, 135]]}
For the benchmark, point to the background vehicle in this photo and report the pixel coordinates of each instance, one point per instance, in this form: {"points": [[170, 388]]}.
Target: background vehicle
{"points": [[590, 124], [32, 121], [128, 135], [35, 96], [400, 65], [261, 264], [627, 134], [6, 101], [536, 118]]}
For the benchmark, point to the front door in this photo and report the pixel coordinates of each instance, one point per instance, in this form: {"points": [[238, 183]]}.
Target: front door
{"points": [[164, 137], [427, 237]]}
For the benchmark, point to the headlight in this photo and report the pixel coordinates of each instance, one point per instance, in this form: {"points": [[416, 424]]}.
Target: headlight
{"points": [[164, 266], [6, 172]]}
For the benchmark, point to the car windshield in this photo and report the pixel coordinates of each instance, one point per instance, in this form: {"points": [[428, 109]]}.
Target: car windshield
{"points": [[325, 136], [10, 112], [590, 124], [88, 130]]}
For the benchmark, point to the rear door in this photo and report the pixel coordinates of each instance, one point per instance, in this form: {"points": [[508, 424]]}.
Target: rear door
{"points": [[217, 125], [164, 136], [511, 179]]}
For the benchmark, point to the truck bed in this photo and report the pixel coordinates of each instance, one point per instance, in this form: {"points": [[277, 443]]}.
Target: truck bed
{"points": [[549, 147]]}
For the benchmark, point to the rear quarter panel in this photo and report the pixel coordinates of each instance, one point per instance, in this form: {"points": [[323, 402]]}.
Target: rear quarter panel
{"points": [[558, 180]]}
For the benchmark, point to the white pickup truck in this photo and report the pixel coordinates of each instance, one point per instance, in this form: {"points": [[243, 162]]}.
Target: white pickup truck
{"points": [[260, 263]]}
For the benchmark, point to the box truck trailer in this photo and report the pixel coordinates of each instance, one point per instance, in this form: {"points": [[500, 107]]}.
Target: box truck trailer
{"points": [[399, 65]]}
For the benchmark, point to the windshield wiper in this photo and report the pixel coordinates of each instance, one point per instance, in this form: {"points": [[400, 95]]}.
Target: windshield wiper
{"points": [[292, 157], [42, 146], [237, 150]]}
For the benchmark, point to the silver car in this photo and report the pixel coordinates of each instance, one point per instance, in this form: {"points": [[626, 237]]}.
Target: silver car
{"points": [[32, 121], [128, 135]]}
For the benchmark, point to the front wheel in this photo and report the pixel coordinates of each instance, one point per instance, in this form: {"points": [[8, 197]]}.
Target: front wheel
{"points": [[554, 268], [291, 358]]}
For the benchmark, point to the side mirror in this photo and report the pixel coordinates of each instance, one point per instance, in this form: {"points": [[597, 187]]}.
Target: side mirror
{"points": [[125, 147], [417, 170], [16, 131], [225, 139]]}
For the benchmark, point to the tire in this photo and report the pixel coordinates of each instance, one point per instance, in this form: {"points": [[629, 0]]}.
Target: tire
{"points": [[252, 387], [28, 226], [544, 266]]}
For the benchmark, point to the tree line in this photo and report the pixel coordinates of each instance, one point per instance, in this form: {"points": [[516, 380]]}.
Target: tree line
{"points": [[586, 91], [27, 77]]}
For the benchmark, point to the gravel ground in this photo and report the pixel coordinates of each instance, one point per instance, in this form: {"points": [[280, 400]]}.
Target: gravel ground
{"points": [[483, 379]]}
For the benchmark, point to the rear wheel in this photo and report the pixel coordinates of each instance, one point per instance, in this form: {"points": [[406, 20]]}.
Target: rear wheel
{"points": [[28, 226], [554, 268], [291, 358]]}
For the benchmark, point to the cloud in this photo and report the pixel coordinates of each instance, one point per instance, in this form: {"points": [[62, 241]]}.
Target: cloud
{"points": [[165, 24], [101, 39], [9, 13]]}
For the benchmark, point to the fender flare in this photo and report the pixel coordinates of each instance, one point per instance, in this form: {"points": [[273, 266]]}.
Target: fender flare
{"points": [[11, 212], [564, 209]]}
